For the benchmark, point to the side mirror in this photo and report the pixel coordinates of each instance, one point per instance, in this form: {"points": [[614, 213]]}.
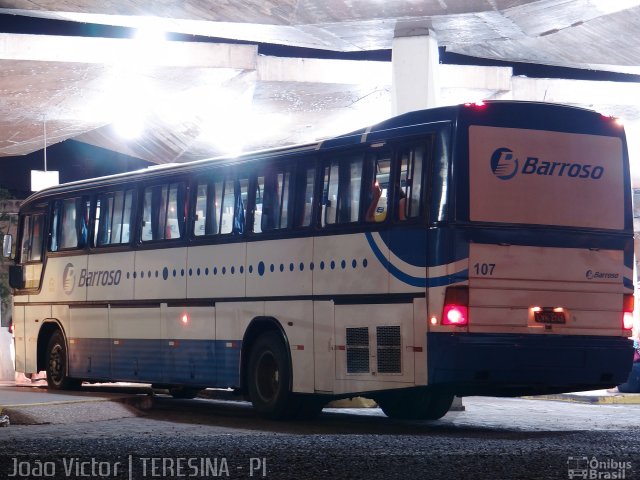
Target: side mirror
{"points": [[6, 246], [16, 277]]}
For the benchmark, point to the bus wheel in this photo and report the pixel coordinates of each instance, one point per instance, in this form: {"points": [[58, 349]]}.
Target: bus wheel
{"points": [[415, 404], [269, 376], [57, 359], [184, 392]]}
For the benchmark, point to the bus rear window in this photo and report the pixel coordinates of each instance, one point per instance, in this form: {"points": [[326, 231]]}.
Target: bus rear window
{"points": [[547, 178]]}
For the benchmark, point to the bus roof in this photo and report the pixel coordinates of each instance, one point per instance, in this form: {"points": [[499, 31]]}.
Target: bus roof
{"points": [[394, 127]]}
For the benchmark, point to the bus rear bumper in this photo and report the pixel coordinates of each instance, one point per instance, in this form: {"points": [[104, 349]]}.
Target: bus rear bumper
{"points": [[513, 365]]}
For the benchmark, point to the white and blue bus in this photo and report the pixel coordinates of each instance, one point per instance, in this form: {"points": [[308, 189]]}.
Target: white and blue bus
{"points": [[481, 249]]}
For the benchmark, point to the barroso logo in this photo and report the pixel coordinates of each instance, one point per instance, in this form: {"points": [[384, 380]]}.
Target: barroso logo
{"points": [[503, 164], [69, 278]]}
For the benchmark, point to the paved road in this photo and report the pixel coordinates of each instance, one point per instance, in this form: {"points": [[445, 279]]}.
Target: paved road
{"points": [[492, 439]]}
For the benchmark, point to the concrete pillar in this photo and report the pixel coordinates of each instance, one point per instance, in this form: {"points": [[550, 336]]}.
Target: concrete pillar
{"points": [[7, 373], [415, 61]]}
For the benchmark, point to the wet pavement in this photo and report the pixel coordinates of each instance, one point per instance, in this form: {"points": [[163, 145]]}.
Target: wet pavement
{"points": [[494, 438]]}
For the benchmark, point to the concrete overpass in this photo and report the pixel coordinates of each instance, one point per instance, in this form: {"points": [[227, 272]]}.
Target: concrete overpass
{"points": [[201, 96]]}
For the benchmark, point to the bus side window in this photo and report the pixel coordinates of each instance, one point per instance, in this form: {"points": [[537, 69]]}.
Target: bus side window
{"points": [[230, 205], [411, 171], [241, 197], [164, 212], [341, 192], [68, 231], [70, 224], [304, 196], [376, 191], [259, 205], [31, 247], [226, 207], [113, 218], [206, 214], [272, 200]]}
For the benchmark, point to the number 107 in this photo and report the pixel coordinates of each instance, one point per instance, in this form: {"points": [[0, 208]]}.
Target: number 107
{"points": [[484, 268]]}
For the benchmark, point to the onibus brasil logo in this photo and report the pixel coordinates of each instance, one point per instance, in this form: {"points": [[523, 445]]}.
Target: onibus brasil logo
{"points": [[505, 165]]}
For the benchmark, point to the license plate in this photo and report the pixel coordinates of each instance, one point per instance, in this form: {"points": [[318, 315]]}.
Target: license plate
{"points": [[549, 316]]}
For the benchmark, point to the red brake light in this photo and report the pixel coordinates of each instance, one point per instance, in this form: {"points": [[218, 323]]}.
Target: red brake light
{"points": [[456, 306], [11, 328], [455, 315], [478, 104], [627, 309]]}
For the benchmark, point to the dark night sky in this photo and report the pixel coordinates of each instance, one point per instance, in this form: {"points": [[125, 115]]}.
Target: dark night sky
{"points": [[74, 160]]}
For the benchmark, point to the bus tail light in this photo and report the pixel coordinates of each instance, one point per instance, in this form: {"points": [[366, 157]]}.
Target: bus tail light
{"points": [[477, 104], [627, 311], [456, 306]]}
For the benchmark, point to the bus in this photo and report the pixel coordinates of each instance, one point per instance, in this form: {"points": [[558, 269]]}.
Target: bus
{"points": [[477, 249]]}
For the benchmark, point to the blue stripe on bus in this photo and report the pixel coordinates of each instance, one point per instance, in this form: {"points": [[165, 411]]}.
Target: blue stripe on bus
{"points": [[409, 279], [211, 363]]}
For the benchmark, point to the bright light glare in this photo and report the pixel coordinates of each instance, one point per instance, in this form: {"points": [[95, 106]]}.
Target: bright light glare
{"points": [[229, 131], [131, 97], [130, 126], [150, 35]]}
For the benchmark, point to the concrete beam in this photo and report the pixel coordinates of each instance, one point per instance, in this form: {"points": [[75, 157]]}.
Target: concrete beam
{"points": [[497, 79], [115, 51], [579, 92], [312, 70]]}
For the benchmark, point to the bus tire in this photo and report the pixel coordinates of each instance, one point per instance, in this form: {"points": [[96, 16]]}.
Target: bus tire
{"points": [[269, 378], [57, 363], [415, 404]]}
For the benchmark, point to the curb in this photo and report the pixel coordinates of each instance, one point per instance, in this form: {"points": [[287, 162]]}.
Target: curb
{"points": [[76, 411], [608, 399]]}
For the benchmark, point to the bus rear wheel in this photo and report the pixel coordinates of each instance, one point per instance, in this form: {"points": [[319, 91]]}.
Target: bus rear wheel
{"points": [[57, 362], [415, 404], [269, 377]]}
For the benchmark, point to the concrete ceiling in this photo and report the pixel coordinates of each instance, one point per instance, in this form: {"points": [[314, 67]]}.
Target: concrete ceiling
{"points": [[200, 99]]}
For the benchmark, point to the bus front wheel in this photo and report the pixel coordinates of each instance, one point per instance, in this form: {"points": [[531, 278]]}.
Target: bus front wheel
{"points": [[269, 377], [57, 361], [415, 404]]}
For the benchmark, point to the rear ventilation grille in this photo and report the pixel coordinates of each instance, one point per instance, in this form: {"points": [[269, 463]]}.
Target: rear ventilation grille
{"points": [[358, 350], [389, 352]]}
